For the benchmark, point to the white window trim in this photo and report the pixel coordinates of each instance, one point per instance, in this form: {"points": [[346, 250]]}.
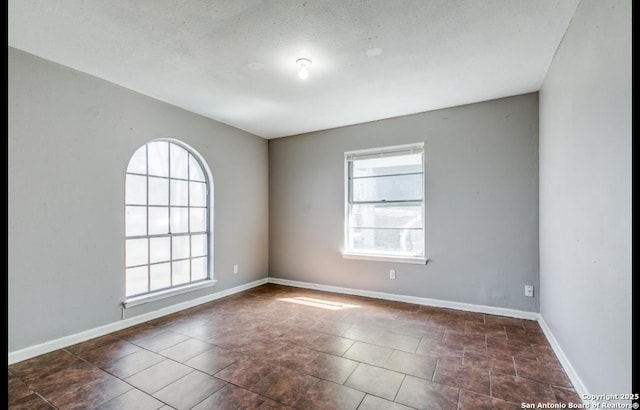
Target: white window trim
{"points": [[188, 287], [163, 294], [381, 258], [379, 152]]}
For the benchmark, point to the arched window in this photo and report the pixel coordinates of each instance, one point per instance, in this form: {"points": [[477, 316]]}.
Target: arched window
{"points": [[168, 219]]}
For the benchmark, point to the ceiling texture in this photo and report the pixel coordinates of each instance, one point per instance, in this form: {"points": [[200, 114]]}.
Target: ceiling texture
{"points": [[235, 60]]}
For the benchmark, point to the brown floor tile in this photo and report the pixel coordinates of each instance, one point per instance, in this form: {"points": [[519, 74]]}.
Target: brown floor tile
{"points": [[231, 397], [138, 331], [464, 377], [284, 385], [374, 380], [532, 335], [376, 403], [214, 360], [331, 344], [43, 365], [368, 353], [133, 399], [67, 379], [153, 378], [510, 348], [159, 341], [91, 344], [410, 363], [462, 339], [269, 404], [186, 350], [474, 401], [291, 356], [422, 330], [16, 389], [89, 395], [296, 354], [566, 395], [327, 395], [545, 354], [189, 390], [488, 361], [440, 350], [520, 390], [361, 333], [423, 394], [30, 402], [110, 352], [489, 330], [299, 337], [398, 341], [331, 327], [533, 369], [133, 363], [245, 372], [449, 323], [329, 367], [503, 320]]}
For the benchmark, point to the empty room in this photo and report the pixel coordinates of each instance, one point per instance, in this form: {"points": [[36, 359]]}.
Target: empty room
{"points": [[319, 204]]}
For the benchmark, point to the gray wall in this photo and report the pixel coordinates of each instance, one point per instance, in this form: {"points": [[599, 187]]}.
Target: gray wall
{"points": [[585, 195], [481, 205], [70, 139]]}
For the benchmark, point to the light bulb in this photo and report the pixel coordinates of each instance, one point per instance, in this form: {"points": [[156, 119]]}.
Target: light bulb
{"points": [[303, 73]]}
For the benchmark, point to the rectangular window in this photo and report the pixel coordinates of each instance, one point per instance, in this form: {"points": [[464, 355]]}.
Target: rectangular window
{"points": [[384, 207]]}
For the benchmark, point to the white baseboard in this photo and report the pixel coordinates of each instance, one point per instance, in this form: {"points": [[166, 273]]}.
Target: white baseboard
{"points": [[578, 385], [520, 314], [46, 347]]}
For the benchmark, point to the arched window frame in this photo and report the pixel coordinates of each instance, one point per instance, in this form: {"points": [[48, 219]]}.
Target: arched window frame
{"points": [[208, 280]]}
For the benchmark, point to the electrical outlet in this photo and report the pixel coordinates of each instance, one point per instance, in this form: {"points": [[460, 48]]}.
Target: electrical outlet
{"points": [[528, 290], [235, 268], [392, 273]]}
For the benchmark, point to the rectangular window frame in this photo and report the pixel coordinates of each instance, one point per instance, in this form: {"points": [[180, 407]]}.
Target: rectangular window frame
{"points": [[381, 152]]}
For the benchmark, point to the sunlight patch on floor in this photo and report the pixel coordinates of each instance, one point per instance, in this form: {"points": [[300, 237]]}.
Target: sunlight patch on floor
{"points": [[320, 303]]}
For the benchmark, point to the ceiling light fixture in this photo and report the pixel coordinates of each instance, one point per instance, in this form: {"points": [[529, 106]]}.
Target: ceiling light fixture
{"points": [[303, 72]]}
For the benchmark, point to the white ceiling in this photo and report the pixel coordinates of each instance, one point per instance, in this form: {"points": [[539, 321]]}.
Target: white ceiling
{"points": [[234, 60]]}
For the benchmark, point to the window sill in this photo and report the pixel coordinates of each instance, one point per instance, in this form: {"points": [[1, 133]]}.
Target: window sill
{"points": [[386, 258], [142, 299]]}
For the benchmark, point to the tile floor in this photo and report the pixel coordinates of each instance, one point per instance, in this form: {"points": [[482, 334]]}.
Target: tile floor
{"points": [[278, 347]]}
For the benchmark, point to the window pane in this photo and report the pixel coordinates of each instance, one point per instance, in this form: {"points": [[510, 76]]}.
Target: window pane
{"points": [[198, 245], [158, 191], [160, 276], [138, 162], [399, 164], [136, 252], [158, 158], [198, 220], [198, 268], [159, 249], [402, 242], [198, 194], [180, 247], [388, 188], [136, 220], [181, 272], [195, 171], [136, 190], [158, 220], [179, 192], [386, 216], [179, 162], [136, 281], [179, 220]]}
